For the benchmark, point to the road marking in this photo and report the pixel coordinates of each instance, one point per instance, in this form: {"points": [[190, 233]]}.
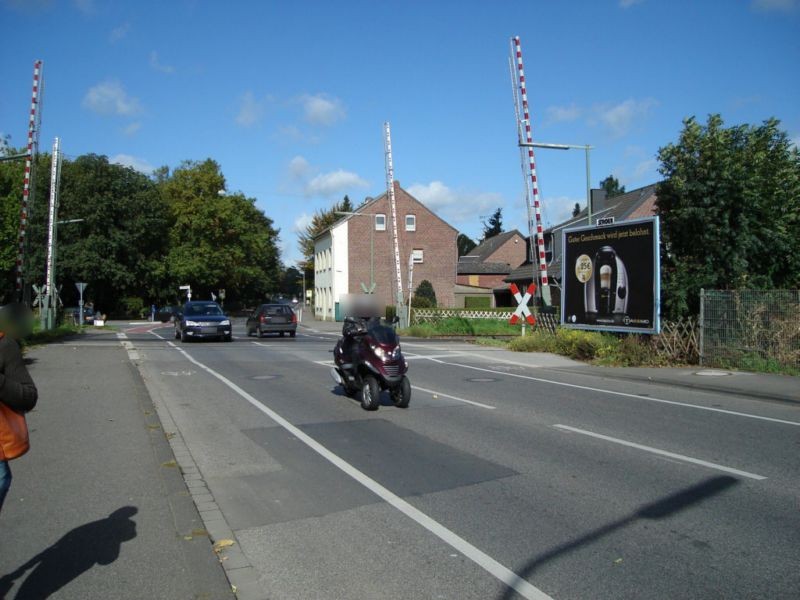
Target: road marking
{"points": [[133, 354], [494, 568], [433, 356], [623, 394], [121, 336], [652, 450], [443, 395]]}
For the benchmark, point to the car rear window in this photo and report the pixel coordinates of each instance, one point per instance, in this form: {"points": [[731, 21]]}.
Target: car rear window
{"points": [[277, 309]]}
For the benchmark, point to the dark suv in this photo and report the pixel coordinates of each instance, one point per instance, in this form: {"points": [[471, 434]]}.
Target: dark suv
{"points": [[202, 319]]}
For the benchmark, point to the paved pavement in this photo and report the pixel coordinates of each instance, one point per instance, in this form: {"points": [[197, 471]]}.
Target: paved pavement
{"points": [[767, 386], [98, 507]]}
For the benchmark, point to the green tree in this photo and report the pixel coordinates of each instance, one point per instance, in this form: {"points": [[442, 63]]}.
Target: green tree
{"points": [[424, 296], [576, 210], [465, 244], [219, 240], [612, 187], [292, 282], [730, 211], [322, 220], [494, 225]]}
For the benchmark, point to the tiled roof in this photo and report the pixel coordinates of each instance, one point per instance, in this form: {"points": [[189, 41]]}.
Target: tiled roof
{"points": [[482, 268], [488, 247]]}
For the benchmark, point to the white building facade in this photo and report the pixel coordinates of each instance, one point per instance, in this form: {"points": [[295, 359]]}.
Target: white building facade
{"points": [[331, 275]]}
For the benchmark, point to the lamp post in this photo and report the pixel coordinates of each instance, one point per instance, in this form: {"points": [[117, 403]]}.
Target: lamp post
{"points": [[586, 148], [371, 246]]}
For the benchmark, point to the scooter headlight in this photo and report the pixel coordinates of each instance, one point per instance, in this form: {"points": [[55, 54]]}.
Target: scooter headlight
{"points": [[379, 352]]}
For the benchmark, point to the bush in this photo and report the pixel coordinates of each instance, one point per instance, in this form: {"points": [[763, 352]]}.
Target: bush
{"points": [[132, 307], [421, 302], [424, 291], [477, 302]]}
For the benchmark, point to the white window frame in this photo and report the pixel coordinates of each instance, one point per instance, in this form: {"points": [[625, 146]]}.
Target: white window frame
{"points": [[413, 226], [380, 226], [418, 256]]}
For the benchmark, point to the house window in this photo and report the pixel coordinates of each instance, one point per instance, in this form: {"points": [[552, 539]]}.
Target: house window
{"points": [[417, 256], [411, 222], [380, 222]]}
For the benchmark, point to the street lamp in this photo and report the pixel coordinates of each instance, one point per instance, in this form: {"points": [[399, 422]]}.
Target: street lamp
{"points": [[371, 244], [586, 148]]}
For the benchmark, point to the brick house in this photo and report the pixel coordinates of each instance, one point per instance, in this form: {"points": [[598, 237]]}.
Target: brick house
{"points": [[359, 249], [482, 271]]}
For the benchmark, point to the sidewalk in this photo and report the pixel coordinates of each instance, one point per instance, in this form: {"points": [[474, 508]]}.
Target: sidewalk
{"points": [[767, 386], [97, 508]]}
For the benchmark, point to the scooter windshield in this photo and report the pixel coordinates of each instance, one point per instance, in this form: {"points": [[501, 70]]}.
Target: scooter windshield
{"points": [[383, 334]]}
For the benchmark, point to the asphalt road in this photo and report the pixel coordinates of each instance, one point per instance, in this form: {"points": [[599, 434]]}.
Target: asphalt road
{"points": [[502, 480]]}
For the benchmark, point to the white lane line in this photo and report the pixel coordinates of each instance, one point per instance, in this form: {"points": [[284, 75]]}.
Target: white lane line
{"points": [[121, 336], [443, 395], [623, 394], [503, 574], [330, 363], [433, 356], [652, 450]]}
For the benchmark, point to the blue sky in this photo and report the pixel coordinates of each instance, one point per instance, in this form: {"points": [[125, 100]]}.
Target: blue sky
{"points": [[290, 97]]}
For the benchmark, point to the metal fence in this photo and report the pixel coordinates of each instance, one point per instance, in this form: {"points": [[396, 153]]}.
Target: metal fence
{"points": [[749, 329]]}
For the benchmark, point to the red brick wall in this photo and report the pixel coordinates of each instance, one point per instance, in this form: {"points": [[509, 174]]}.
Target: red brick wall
{"points": [[510, 252], [433, 236]]}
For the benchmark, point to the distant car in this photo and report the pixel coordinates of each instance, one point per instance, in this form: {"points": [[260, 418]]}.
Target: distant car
{"points": [[167, 313], [201, 320], [73, 314], [272, 318]]}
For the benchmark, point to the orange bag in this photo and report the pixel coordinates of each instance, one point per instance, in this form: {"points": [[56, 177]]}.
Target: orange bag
{"points": [[14, 441]]}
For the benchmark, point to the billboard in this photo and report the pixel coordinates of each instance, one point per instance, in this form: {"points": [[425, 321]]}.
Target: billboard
{"points": [[610, 277]]}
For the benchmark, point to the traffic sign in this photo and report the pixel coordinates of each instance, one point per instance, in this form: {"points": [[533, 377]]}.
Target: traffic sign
{"points": [[522, 301]]}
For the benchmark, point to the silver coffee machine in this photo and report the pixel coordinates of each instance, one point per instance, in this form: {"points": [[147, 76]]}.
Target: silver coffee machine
{"points": [[606, 291]]}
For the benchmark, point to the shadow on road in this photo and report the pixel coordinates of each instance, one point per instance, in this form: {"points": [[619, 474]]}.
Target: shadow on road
{"points": [[78, 551], [661, 509]]}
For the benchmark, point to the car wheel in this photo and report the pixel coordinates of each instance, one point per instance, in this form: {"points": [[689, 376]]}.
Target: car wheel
{"points": [[281, 333], [229, 338], [292, 333], [370, 393], [260, 333], [401, 394], [184, 337], [177, 334]]}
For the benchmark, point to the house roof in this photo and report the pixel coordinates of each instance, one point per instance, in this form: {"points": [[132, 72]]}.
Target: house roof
{"points": [[475, 267], [488, 247]]}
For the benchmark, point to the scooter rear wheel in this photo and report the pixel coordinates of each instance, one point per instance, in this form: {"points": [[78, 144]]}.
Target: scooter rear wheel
{"points": [[401, 394], [370, 393]]}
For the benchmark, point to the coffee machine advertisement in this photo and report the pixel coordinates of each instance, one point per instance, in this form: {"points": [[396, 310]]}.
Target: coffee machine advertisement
{"points": [[611, 277]]}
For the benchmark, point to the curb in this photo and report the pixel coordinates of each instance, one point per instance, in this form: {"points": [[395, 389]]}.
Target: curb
{"points": [[241, 574]]}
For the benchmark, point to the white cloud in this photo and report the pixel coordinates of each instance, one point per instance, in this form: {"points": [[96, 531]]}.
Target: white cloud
{"points": [[158, 66], [455, 206], [561, 114], [119, 33], [110, 98], [251, 110], [321, 109], [84, 6], [557, 209], [644, 168], [334, 183], [302, 222], [299, 168], [620, 118], [774, 5], [136, 163], [133, 128]]}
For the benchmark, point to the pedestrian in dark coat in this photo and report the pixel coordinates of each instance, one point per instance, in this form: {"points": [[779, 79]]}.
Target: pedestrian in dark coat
{"points": [[18, 395]]}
